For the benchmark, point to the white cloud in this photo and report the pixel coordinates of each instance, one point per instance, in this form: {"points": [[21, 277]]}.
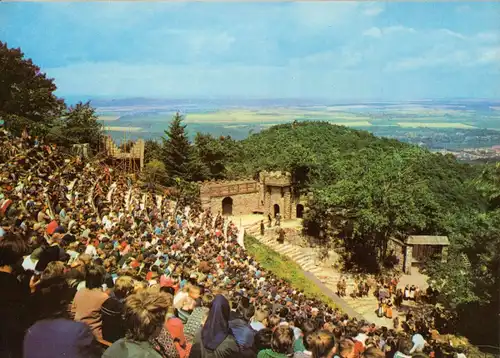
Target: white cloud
{"points": [[373, 9], [373, 32], [452, 34], [379, 32], [324, 14], [442, 56], [489, 55], [488, 36], [434, 58], [320, 15], [202, 42], [342, 59], [399, 29], [462, 8]]}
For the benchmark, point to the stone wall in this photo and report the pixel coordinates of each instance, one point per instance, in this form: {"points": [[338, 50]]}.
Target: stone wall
{"points": [[225, 188], [276, 197], [399, 250], [408, 259], [254, 196], [242, 203]]}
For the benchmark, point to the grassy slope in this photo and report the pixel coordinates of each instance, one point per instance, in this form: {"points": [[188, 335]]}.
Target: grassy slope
{"points": [[284, 268]]}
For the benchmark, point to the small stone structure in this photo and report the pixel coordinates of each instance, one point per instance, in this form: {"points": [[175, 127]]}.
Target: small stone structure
{"points": [[415, 249], [272, 193], [133, 160]]}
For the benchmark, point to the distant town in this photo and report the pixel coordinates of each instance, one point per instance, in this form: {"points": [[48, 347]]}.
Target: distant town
{"points": [[474, 154]]}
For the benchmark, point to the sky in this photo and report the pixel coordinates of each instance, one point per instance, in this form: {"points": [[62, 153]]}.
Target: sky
{"points": [[321, 50]]}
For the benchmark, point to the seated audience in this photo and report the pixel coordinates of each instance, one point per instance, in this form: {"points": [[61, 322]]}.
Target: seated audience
{"points": [[113, 326], [55, 334], [215, 338], [144, 319], [281, 344], [88, 301]]}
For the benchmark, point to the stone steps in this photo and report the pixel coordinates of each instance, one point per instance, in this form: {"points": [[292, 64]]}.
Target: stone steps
{"points": [[330, 277]]}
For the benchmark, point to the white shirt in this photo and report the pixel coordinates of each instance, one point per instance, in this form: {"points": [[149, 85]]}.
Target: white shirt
{"points": [[91, 250], [418, 343], [29, 264], [179, 299]]}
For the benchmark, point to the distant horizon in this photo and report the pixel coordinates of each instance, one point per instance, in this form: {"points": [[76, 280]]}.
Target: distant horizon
{"points": [[313, 51], [84, 98]]}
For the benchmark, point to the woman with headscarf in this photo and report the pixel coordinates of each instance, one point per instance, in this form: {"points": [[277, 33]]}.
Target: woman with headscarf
{"points": [[215, 340]]}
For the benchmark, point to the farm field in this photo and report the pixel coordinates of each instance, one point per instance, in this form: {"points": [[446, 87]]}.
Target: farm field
{"points": [[416, 121], [434, 125]]}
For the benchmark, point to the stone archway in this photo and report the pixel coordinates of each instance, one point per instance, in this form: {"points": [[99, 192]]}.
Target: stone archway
{"points": [[276, 209], [300, 211], [227, 206]]}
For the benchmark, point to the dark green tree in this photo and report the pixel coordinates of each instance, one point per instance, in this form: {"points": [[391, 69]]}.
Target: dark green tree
{"points": [[152, 150], [154, 172], [177, 151], [80, 125], [215, 154], [27, 96]]}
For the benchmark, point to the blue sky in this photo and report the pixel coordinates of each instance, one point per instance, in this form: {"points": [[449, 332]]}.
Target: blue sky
{"points": [[328, 50]]}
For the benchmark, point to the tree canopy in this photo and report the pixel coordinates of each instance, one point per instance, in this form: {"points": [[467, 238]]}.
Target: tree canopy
{"points": [[26, 94], [28, 100], [366, 190]]}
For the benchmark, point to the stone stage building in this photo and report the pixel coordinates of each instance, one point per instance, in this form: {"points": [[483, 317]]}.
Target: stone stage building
{"points": [[272, 193], [416, 249]]}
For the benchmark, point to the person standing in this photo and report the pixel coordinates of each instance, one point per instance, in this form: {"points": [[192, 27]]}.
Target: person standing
{"points": [[262, 228], [281, 237], [14, 298]]}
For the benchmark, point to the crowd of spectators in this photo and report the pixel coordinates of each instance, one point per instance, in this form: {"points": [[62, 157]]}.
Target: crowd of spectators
{"points": [[91, 266]]}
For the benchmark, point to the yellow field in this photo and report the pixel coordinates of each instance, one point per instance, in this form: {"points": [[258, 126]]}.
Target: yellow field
{"points": [[424, 110], [123, 129], [108, 118], [352, 123], [269, 115], [433, 125]]}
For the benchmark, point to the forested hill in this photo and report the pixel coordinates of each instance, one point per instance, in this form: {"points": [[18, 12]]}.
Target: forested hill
{"points": [[318, 154], [368, 189]]}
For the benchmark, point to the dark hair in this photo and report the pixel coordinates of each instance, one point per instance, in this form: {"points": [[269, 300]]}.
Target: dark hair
{"points": [[373, 352], [273, 321], [282, 341], [283, 312], [309, 326], [320, 343], [169, 290], [52, 298], [94, 277], [263, 339], [248, 313], [421, 355], [404, 345], [12, 249]]}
